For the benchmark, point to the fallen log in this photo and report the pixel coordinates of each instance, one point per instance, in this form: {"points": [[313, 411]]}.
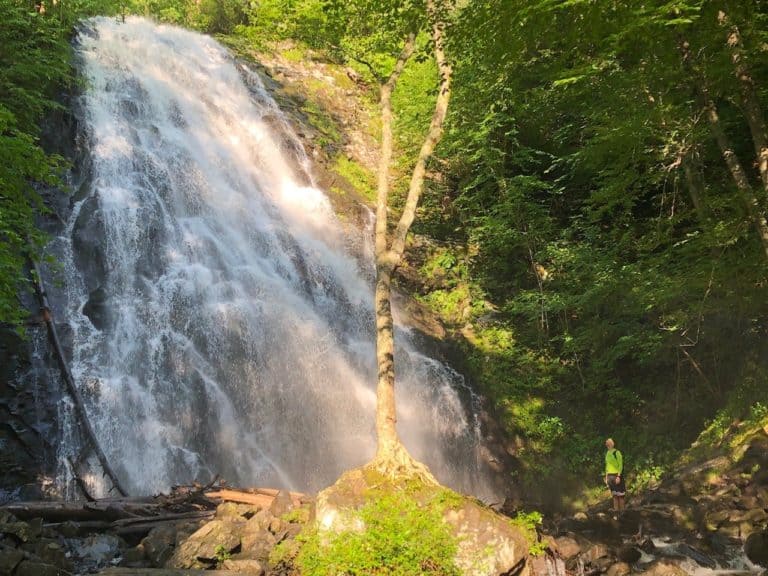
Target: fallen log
{"points": [[133, 525], [105, 510], [257, 496], [66, 374], [261, 500]]}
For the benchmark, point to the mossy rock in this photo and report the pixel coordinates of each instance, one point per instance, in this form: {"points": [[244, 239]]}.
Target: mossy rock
{"points": [[481, 541]]}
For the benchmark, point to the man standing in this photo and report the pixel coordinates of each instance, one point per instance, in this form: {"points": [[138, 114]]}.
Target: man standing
{"points": [[614, 475]]}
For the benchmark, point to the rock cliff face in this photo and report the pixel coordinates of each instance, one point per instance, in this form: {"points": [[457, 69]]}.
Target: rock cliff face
{"points": [[30, 390]]}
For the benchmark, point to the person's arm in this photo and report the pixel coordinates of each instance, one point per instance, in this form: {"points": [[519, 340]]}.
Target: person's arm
{"points": [[620, 462]]}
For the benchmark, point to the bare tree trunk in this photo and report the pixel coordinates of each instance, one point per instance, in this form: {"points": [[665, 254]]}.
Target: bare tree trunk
{"points": [[752, 110], [386, 429], [740, 178], [737, 171], [391, 456]]}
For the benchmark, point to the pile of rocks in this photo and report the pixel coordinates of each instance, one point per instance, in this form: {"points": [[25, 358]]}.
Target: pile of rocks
{"points": [[235, 537], [241, 538]]}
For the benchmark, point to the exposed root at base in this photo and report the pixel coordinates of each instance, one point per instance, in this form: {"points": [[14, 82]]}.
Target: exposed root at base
{"points": [[397, 464]]}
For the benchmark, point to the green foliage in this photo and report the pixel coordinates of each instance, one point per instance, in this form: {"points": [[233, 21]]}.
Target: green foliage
{"points": [[400, 538], [361, 179], [221, 554], [528, 522], [34, 63]]}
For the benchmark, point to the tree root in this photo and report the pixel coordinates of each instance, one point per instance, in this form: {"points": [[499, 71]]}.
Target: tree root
{"points": [[397, 464]]}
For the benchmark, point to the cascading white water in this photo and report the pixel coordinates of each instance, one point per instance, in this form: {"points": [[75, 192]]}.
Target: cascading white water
{"points": [[235, 332]]}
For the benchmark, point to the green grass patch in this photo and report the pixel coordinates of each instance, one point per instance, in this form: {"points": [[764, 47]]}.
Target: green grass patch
{"points": [[357, 175], [294, 54]]}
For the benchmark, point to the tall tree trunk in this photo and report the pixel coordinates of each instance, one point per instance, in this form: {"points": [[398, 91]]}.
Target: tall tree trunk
{"points": [[751, 203], [391, 456], [386, 429], [751, 103]]}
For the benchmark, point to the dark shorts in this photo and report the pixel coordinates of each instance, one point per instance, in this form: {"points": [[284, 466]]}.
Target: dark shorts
{"points": [[619, 489]]}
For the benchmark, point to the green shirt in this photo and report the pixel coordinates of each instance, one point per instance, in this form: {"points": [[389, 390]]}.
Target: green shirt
{"points": [[614, 463]]}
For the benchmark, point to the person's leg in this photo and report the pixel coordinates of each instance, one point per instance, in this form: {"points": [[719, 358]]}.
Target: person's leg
{"points": [[615, 503], [621, 503]]}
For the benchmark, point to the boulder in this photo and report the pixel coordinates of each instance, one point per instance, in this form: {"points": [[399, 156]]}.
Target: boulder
{"points": [[159, 544], [246, 567], [488, 543], [133, 557], [9, 559], [213, 542], [567, 547], [20, 531], [34, 568], [49, 551], [619, 569], [257, 545], [235, 510], [756, 548], [595, 552], [282, 504], [665, 567]]}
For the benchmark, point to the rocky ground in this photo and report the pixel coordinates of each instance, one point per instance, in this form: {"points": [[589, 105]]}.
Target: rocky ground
{"points": [[708, 515]]}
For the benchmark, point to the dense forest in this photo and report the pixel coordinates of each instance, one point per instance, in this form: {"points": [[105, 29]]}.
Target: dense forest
{"points": [[597, 211]]}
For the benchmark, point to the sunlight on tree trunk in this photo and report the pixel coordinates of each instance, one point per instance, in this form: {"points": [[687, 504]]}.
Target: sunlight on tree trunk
{"points": [[392, 458], [751, 102], [740, 178]]}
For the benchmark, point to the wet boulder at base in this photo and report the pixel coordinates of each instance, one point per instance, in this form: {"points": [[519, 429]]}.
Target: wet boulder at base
{"points": [[756, 548]]}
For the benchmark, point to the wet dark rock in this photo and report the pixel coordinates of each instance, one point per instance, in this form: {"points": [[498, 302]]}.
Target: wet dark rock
{"points": [[21, 532], [159, 544], [756, 548], [87, 240], [49, 552], [629, 554], [97, 308], [133, 557], [9, 559], [700, 558], [648, 546], [34, 568]]}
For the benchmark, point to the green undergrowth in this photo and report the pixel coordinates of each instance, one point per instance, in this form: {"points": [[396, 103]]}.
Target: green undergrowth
{"points": [[728, 432], [404, 534]]}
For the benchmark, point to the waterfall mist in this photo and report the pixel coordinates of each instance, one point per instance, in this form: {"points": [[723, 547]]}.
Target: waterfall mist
{"points": [[220, 317]]}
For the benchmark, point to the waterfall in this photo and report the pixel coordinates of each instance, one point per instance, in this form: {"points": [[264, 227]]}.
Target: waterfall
{"points": [[220, 317]]}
